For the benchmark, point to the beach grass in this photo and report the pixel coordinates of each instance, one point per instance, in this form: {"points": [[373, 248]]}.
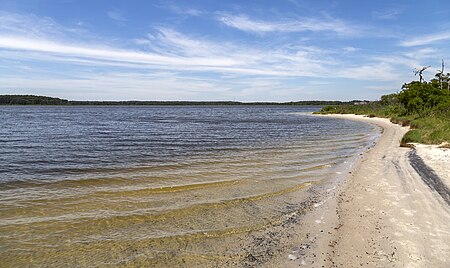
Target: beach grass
{"points": [[424, 106], [426, 129]]}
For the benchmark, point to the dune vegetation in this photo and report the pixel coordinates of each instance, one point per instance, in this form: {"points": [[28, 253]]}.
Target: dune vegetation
{"points": [[424, 106]]}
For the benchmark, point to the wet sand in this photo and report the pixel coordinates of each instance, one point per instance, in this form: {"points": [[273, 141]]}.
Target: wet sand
{"points": [[390, 211]]}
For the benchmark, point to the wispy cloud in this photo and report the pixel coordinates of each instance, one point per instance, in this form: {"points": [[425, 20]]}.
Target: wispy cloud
{"points": [[387, 14], [167, 86], [105, 53], [325, 24], [186, 64], [182, 10], [167, 40], [426, 39], [350, 49], [411, 58], [171, 50], [29, 25], [32, 26], [116, 16], [384, 88], [164, 49], [378, 72]]}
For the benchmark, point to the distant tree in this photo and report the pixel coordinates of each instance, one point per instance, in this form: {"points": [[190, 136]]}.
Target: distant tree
{"points": [[391, 99]]}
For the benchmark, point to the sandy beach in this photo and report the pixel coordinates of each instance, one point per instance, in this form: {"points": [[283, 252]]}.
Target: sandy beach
{"points": [[391, 211], [437, 158]]}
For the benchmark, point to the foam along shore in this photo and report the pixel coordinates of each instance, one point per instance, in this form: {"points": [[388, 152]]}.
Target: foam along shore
{"points": [[384, 214]]}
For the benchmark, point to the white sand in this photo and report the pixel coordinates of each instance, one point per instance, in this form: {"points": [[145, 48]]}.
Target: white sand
{"points": [[436, 158]]}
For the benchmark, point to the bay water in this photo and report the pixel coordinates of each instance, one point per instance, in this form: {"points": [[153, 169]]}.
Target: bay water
{"points": [[160, 185]]}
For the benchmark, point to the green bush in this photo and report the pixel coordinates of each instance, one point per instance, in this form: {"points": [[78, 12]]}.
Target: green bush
{"points": [[422, 106]]}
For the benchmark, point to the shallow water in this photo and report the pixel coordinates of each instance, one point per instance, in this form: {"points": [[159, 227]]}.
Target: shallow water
{"points": [[90, 186]]}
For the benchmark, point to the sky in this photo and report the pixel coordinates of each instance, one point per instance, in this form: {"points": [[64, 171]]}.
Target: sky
{"points": [[283, 50]]}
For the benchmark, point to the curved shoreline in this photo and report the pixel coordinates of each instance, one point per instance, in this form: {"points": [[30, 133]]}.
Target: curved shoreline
{"points": [[389, 216], [383, 215]]}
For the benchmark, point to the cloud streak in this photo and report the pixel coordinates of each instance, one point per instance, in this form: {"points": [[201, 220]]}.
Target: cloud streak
{"points": [[388, 14], [106, 53], [246, 24], [119, 85], [171, 63], [426, 39], [169, 49], [182, 10], [117, 16]]}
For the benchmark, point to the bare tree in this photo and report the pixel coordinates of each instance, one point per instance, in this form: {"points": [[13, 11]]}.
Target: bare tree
{"points": [[440, 74], [420, 72]]}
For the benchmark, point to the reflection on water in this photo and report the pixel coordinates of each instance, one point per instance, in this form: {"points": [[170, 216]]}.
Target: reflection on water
{"points": [[159, 186]]}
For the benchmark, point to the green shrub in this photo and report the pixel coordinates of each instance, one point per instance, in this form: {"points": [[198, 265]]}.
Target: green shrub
{"points": [[422, 106]]}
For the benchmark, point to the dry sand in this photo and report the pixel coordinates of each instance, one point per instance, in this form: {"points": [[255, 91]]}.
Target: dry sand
{"points": [[384, 214], [437, 158]]}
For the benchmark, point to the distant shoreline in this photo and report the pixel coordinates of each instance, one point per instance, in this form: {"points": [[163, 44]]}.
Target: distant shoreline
{"points": [[32, 100]]}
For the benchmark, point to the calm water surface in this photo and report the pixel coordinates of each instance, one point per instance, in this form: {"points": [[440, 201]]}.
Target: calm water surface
{"points": [[158, 186]]}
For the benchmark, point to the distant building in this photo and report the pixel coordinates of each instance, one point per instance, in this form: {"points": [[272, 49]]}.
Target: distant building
{"points": [[361, 103]]}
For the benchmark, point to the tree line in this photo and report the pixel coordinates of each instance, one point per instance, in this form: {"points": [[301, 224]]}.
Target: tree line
{"points": [[422, 105], [44, 100], [422, 98], [31, 100]]}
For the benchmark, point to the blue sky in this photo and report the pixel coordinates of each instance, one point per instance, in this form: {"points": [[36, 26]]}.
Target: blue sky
{"points": [[219, 50]]}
